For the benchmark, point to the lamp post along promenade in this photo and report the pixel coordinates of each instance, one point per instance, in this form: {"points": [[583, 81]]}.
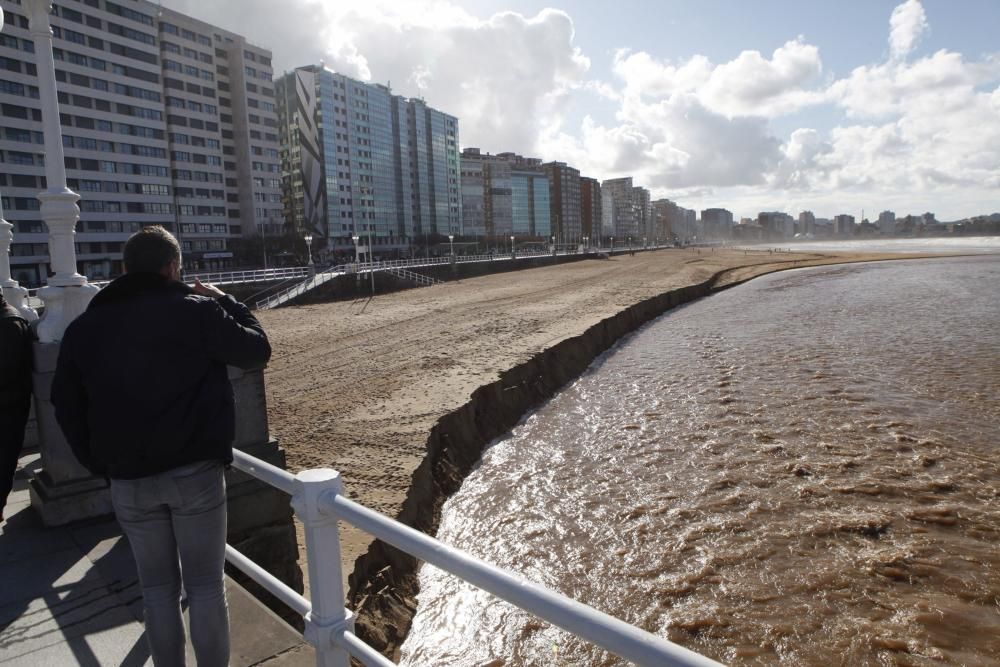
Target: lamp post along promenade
{"points": [[63, 490], [66, 294]]}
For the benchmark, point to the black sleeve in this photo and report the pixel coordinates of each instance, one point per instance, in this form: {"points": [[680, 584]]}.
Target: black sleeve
{"points": [[232, 335], [69, 398], [15, 362]]}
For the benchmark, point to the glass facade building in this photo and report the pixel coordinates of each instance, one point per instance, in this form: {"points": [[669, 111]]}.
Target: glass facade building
{"points": [[358, 160], [504, 195], [530, 204]]}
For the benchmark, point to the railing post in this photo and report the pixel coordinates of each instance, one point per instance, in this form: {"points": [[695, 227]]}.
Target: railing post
{"points": [[328, 617]]}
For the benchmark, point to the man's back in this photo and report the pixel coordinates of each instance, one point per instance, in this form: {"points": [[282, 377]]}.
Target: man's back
{"points": [[150, 357]]}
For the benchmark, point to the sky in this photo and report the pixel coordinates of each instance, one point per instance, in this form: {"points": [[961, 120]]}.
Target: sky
{"points": [[851, 107]]}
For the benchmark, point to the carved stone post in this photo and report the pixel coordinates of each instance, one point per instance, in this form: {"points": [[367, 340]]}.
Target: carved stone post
{"points": [[67, 292], [63, 490]]}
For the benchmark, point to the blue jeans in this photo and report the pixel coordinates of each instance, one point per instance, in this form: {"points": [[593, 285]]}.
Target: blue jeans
{"points": [[176, 522]]}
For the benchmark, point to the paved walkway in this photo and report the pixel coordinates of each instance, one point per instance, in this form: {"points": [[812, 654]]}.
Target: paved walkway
{"points": [[70, 596]]}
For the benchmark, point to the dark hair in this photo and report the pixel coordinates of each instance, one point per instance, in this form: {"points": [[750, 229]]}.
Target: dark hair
{"points": [[150, 250]]}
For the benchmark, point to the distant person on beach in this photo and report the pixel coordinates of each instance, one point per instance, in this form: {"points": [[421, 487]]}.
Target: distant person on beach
{"points": [[142, 394], [15, 392]]}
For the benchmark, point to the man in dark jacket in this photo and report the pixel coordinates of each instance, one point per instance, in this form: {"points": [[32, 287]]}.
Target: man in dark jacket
{"points": [[15, 392], [142, 394]]}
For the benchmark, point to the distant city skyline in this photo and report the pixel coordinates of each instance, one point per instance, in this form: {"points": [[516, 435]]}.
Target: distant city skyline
{"points": [[771, 106]]}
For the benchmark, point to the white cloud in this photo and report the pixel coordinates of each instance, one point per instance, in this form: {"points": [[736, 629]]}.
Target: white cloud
{"points": [[499, 75], [907, 23], [804, 160], [754, 85], [749, 85], [683, 128]]}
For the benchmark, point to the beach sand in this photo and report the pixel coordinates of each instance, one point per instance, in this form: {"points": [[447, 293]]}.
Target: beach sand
{"points": [[357, 386]]}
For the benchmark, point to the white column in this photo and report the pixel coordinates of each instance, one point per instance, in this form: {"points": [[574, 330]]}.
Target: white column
{"points": [[67, 292], [62, 491]]}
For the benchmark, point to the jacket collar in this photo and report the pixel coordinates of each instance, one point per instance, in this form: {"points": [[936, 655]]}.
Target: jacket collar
{"points": [[132, 285]]}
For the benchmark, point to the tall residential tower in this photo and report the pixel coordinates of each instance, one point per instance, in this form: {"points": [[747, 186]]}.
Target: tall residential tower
{"points": [[358, 160], [166, 120]]}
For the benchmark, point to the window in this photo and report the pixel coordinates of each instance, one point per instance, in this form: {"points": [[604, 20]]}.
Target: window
{"points": [[131, 14]]}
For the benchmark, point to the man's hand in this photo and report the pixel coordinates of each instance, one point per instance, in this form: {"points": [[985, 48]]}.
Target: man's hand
{"points": [[207, 290]]}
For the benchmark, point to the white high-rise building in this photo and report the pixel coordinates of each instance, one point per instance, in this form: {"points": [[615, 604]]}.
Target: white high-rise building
{"points": [[165, 120], [807, 223], [887, 223], [627, 210], [716, 223]]}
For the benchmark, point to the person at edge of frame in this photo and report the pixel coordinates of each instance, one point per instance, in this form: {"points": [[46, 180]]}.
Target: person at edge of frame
{"points": [[16, 337], [142, 393]]}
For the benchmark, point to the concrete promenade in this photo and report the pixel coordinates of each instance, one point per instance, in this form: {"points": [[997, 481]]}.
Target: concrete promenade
{"points": [[70, 596]]}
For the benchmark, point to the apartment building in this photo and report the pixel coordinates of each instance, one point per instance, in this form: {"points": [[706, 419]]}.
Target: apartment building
{"points": [[807, 223], [625, 210], [505, 195], [673, 221], [843, 225], [565, 198], [716, 223], [157, 129], [358, 160], [887, 223], [590, 208]]}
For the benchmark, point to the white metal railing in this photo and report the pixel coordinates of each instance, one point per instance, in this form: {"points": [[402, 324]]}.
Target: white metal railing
{"points": [[412, 276], [319, 503], [251, 276], [322, 277], [309, 282], [298, 289]]}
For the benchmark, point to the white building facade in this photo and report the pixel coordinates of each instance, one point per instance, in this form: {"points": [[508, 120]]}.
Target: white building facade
{"points": [[162, 121]]}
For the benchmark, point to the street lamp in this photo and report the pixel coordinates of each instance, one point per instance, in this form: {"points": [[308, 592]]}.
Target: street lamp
{"points": [[263, 240], [309, 244], [451, 243], [513, 252], [612, 245], [357, 259]]}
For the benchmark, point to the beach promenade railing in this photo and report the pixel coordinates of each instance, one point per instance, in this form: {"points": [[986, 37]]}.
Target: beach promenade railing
{"points": [[319, 502], [250, 276], [311, 282]]}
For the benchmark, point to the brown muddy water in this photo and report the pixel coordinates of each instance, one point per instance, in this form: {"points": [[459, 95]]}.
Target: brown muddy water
{"points": [[802, 470]]}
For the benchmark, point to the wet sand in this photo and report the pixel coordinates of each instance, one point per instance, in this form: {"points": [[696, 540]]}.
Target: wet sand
{"points": [[359, 385]]}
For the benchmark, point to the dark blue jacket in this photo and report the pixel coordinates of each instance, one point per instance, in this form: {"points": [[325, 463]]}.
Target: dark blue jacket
{"points": [[141, 384], [15, 386]]}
